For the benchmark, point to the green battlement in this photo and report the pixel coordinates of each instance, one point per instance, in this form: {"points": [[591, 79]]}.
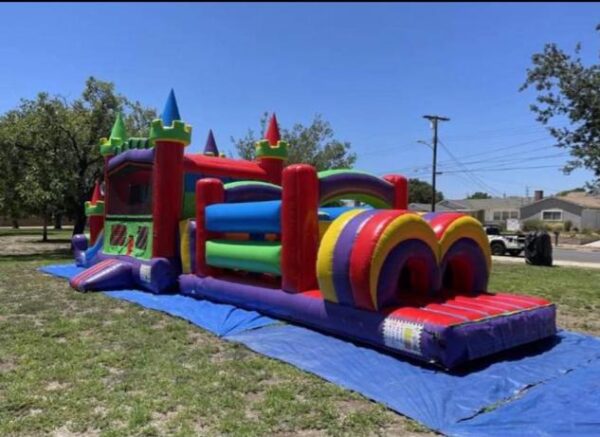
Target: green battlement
{"points": [[114, 146], [178, 132], [94, 209], [265, 150]]}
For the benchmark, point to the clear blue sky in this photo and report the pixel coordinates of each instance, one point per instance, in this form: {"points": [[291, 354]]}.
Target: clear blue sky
{"points": [[372, 70]]}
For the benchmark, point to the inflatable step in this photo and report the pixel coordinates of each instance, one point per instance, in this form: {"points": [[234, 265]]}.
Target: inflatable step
{"points": [[109, 274], [254, 217], [252, 256]]}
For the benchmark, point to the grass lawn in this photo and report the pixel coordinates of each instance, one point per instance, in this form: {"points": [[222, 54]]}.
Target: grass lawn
{"points": [[87, 364]]}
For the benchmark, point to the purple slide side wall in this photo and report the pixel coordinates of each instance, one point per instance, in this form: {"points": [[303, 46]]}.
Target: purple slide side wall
{"points": [[445, 346], [145, 156], [342, 183], [252, 193]]}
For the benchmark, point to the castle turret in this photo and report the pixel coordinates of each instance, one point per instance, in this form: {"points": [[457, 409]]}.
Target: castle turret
{"points": [[94, 209], [170, 136], [110, 147], [272, 152], [118, 136], [210, 148]]}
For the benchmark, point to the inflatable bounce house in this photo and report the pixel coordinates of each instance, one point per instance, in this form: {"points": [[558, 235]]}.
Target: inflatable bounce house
{"points": [[264, 237]]}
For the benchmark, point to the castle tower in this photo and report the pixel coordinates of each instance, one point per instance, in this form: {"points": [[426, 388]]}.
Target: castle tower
{"points": [[110, 147], [94, 209], [272, 152], [170, 136], [210, 148]]}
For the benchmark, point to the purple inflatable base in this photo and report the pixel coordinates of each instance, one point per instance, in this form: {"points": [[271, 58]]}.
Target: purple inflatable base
{"points": [[157, 275], [445, 346]]}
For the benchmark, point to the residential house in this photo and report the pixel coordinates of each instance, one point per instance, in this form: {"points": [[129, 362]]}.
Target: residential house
{"points": [[495, 210], [581, 209]]}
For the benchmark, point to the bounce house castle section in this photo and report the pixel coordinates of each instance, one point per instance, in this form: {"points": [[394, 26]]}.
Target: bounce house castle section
{"points": [[256, 235]]}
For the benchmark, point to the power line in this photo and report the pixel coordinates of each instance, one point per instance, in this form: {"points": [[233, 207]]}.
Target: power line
{"points": [[489, 152], [512, 160], [507, 168], [478, 181]]}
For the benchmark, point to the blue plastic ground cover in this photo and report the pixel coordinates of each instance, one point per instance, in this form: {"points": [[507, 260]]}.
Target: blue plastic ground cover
{"points": [[433, 397], [62, 270], [220, 319], [566, 406], [550, 388]]}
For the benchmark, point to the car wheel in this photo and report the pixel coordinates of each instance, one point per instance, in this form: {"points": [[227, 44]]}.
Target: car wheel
{"points": [[514, 252], [498, 248]]}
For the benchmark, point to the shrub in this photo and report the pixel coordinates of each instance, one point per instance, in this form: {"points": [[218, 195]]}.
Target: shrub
{"points": [[556, 227], [534, 225], [568, 225]]}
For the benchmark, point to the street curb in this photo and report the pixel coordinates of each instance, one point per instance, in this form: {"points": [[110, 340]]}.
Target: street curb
{"points": [[517, 260]]}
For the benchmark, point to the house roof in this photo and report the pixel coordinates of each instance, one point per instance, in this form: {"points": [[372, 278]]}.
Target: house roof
{"points": [[485, 204], [426, 207], [582, 199]]}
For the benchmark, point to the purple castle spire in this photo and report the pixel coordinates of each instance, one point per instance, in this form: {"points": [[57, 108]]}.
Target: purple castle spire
{"points": [[210, 148]]}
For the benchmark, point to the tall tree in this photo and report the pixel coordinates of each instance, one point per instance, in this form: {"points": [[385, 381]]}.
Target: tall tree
{"points": [[479, 195], [568, 103], [420, 192], [53, 144], [313, 144]]}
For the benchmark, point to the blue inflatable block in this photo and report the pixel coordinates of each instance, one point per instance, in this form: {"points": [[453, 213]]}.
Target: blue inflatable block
{"points": [[254, 217], [333, 212]]}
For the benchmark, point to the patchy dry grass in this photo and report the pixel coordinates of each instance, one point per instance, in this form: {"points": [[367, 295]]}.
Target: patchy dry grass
{"points": [[576, 291], [74, 364]]}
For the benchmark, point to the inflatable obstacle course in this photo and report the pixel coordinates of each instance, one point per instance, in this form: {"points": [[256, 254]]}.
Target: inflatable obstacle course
{"points": [[262, 236]]}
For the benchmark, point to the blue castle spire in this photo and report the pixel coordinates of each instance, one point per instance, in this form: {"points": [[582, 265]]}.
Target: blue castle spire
{"points": [[171, 111], [210, 148]]}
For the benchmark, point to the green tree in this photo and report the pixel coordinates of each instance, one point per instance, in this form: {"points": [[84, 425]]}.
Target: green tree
{"points": [[568, 103], [313, 144], [420, 192], [479, 195], [53, 143]]}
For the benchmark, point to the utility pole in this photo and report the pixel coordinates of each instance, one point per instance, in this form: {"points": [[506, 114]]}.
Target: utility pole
{"points": [[434, 125]]}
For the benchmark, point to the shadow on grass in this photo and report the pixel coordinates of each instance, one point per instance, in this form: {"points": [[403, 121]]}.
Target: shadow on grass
{"points": [[33, 232], [54, 255]]}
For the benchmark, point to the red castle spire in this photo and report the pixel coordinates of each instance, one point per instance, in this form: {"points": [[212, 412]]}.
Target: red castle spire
{"points": [[273, 131], [97, 195]]}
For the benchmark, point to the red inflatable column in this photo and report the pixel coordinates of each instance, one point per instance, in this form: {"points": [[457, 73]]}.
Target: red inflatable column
{"points": [[208, 192], [167, 184], [167, 192], [400, 184], [94, 209], [299, 228]]}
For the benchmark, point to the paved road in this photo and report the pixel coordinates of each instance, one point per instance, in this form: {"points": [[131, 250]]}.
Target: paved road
{"points": [[575, 255]]}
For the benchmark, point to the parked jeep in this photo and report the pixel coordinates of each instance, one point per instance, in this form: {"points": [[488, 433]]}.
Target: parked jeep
{"points": [[501, 244]]}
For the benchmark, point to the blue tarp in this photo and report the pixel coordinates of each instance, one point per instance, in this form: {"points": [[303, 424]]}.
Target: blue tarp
{"points": [[551, 388], [220, 319]]}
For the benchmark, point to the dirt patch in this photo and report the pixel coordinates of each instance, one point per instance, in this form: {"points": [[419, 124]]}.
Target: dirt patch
{"points": [[579, 321], [31, 245]]}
